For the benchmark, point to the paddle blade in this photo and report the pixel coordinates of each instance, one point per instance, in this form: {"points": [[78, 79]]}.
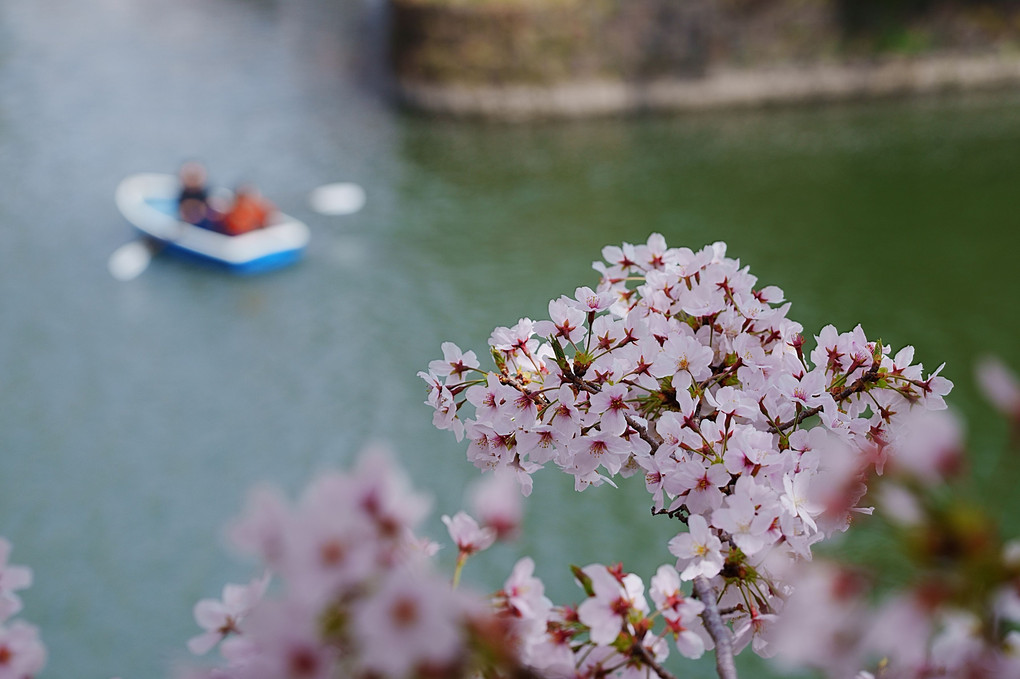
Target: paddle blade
{"points": [[342, 198], [129, 260]]}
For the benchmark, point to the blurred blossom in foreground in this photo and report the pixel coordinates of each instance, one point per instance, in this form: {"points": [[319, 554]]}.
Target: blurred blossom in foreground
{"points": [[1000, 386], [22, 654]]}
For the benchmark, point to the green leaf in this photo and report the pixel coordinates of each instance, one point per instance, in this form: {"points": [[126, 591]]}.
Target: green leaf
{"points": [[583, 580], [582, 361], [498, 359], [561, 358]]}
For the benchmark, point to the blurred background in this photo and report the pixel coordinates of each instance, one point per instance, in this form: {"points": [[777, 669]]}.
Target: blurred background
{"points": [[134, 416]]}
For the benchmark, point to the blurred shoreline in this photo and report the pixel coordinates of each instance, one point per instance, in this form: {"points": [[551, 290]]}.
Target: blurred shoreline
{"points": [[723, 88], [517, 60]]}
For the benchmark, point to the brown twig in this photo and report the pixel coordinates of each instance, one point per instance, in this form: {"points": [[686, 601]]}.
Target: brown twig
{"points": [[642, 431], [518, 384], [649, 438], [647, 658], [718, 630], [581, 384], [681, 513], [862, 382]]}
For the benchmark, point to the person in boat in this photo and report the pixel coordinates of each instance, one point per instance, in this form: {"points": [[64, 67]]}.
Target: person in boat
{"points": [[248, 212], [193, 199]]}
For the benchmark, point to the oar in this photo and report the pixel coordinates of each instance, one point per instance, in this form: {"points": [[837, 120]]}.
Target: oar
{"points": [[341, 198], [129, 260]]}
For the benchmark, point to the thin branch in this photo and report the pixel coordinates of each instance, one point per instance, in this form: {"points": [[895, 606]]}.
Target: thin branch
{"points": [[678, 513], [587, 386], [863, 381], [721, 375], [526, 672], [578, 382], [719, 632], [649, 438], [518, 384], [647, 658]]}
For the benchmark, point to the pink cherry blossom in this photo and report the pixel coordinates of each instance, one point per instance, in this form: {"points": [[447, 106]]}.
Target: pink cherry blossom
{"points": [[261, 529], [795, 499], [410, 622], [701, 483], [680, 612], [525, 594], [22, 654], [606, 612], [455, 363], [740, 518], [698, 551], [281, 640], [567, 322], [685, 360], [469, 537], [565, 413], [445, 415], [755, 629], [591, 301], [496, 501], [734, 401], [598, 449], [493, 402], [221, 617], [928, 446], [12, 579], [999, 385], [611, 406], [523, 597]]}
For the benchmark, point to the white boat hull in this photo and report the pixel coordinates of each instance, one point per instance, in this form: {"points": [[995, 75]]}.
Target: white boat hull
{"points": [[149, 202]]}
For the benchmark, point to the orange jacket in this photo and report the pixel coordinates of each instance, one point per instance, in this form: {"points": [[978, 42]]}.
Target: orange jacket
{"points": [[246, 214]]}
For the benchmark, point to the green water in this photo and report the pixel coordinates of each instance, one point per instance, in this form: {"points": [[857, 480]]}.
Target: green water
{"points": [[133, 417]]}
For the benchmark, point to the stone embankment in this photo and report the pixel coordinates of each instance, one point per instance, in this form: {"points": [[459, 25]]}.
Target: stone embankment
{"points": [[523, 59]]}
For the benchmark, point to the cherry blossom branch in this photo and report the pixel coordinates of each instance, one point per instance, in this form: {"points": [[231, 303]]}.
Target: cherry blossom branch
{"points": [[578, 382], [718, 630], [678, 513], [642, 431], [863, 381], [717, 377], [518, 384]]}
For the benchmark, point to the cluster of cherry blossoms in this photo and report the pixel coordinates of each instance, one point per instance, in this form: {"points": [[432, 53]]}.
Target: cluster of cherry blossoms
{"points": [[958, 613], [965, 625], [678, 366], [612, 633], [22, 654], [1001, 388], [356, 594]]}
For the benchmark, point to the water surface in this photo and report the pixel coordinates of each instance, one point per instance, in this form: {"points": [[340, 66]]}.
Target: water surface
{"points": [[133, 417]]}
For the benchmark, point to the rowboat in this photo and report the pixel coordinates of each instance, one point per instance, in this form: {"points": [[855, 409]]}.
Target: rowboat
{"points": [[149, 202]]}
